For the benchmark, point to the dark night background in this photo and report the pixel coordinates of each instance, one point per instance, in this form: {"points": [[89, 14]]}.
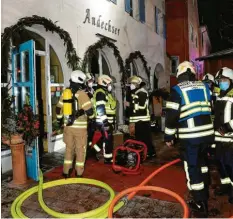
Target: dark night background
{"points": [[217, 15]]}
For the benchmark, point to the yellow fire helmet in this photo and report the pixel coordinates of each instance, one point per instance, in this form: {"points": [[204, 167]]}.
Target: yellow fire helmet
{"points": [[183, 67], [104, 80], [135, 80]]}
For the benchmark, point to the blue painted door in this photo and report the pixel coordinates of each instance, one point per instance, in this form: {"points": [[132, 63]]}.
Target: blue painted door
{"points": [[24, 90]]}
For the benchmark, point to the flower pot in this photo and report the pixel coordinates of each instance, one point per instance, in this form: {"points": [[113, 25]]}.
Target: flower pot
{"points": [[18, 161]]}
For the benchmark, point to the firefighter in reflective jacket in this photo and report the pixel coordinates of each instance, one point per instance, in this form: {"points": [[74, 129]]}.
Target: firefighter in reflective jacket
{"points": [[102, 107], [209, 79], [223, 125], [188, 117], [75, 131], [139, 117], [91, 122]]}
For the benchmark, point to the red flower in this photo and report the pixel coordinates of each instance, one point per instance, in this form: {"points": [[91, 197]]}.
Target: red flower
{"points": [[25, 118]]}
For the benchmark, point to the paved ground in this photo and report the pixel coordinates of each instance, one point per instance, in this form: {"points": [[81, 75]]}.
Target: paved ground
{"points": [[82, 198]]}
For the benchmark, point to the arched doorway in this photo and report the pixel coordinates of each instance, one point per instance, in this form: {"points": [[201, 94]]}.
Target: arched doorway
{"points": [[99, 64], [159, 79]]}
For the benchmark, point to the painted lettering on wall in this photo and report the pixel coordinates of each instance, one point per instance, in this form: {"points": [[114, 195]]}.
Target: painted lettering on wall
{"points": [[97, 21]]}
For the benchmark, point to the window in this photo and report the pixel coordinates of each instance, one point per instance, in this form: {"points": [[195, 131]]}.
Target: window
{"points": [[157, 11], [114, 1], [141, 4], [191, 32], [164, 26], [129, 7], [202, 39], [174, 64]]}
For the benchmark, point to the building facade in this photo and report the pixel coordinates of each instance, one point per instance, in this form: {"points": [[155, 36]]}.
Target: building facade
{"points": [[129, 25], [184, 41]]}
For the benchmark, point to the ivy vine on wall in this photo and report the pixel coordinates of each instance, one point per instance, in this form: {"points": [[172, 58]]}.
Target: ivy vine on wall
{"points": [[90, 52], [16, 31], [133, 56]]}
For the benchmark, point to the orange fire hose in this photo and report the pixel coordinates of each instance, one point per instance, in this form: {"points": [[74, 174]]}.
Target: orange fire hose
{"points": [[146, 188], [142, 186]]}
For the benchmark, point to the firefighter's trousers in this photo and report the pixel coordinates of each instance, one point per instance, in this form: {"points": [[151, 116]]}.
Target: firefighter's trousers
{"points": [[143, 134], [196, 170], [76, 143], [107, 136], [224, 157]]}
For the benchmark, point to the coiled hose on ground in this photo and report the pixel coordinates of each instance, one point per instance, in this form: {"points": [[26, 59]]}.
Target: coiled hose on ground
{"points": [[107, 209]]}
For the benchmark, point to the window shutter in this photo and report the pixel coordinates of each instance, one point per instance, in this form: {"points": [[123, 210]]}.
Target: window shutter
{"points": [[127, 6], [142, 10]]}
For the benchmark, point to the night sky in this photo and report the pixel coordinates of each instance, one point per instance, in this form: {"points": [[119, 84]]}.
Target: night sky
{"points": [[217, 15]]}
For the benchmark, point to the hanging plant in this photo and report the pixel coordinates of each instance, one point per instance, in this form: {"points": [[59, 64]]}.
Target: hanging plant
{"points": [[16, 32], [133, 56], [90, 52]]}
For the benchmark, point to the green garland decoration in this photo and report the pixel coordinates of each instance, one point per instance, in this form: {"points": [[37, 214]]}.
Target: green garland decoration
{"points": [[14, 32], [136, 55], [99, 45]]}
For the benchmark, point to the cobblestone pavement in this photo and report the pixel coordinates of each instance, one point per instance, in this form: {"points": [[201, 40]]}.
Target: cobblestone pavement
{"points": [[81, 198]]}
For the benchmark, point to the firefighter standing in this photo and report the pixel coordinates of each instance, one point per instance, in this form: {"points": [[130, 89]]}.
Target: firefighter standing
{"points": [[224, 132], [189, 118], [75, 131], [104, 120], [139, 114]]}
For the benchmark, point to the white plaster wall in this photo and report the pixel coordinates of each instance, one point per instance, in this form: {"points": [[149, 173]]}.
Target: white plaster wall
{"points": [[70, 15]]}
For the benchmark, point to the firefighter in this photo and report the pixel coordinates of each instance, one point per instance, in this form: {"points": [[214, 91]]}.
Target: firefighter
{"points": [[209, 79], [75, 131], [224, 132], [104, 123], [139, 114], [188, 117], [91, 122]]}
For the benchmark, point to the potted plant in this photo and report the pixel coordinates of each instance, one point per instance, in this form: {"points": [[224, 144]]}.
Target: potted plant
{"points": [[18, 129]]}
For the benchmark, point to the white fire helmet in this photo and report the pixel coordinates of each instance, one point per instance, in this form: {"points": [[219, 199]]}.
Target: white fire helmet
{"points": [[183, 67], [224, 73], [104, 80], [78, 76], [208, 77]]}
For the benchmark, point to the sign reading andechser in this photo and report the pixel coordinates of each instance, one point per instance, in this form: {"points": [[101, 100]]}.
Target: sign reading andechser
{"points": [[99, 23]]}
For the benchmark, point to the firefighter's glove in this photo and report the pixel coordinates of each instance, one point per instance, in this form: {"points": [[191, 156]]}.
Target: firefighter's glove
{"points": [[60, 122], [170, 143], [222, 130], [106, 125], [132, 129]]}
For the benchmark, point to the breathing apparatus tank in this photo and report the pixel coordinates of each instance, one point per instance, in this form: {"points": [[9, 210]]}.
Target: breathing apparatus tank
{"points": [[67, 102]]}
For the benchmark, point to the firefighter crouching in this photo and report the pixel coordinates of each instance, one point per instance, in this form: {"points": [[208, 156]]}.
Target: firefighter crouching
{"points": [[223, 125], [102, 108], [139, 114], [188, 118], [74, 105]]}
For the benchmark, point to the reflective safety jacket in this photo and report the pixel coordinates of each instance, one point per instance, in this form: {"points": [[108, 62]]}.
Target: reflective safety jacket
{"points": [[188, 113], [82, 102], [224, 117], [139, 106], [104, 106]]}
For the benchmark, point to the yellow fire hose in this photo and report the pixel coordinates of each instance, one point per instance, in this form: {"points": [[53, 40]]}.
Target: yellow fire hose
{"points": [[100, 212]]}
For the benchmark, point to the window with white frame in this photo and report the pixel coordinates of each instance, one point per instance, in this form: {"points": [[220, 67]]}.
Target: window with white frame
{"points": [[157, 14], [114, 1], [191, 32], [174, 64]]}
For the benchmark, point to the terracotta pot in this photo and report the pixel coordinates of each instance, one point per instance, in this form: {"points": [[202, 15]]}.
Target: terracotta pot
{"points": [[18, 160]]}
